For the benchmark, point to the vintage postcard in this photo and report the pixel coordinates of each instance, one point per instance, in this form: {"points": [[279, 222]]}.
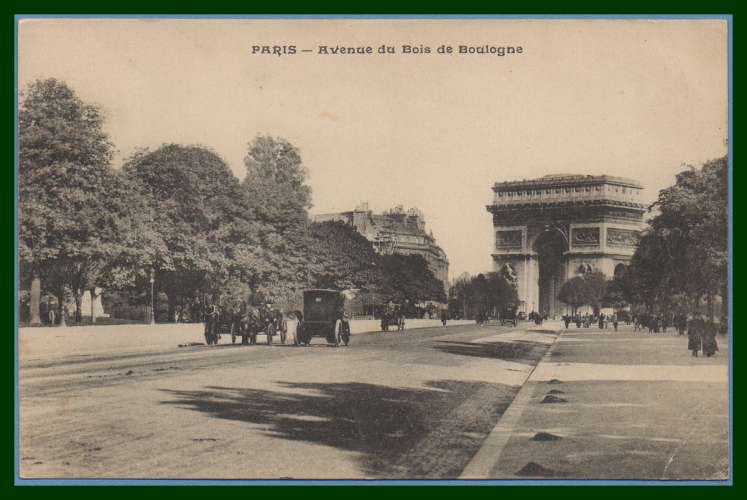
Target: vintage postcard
{"points": [[401, 249]]}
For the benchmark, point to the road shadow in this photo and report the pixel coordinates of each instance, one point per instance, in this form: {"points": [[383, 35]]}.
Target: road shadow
{"points": [[516, 350], [429, 432]]}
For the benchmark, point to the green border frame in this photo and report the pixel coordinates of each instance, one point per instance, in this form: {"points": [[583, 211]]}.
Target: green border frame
{"points": [[465, 7]]}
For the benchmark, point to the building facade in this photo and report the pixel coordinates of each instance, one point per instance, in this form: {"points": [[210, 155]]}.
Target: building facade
{"points": [[396, 231], [551, 229]]}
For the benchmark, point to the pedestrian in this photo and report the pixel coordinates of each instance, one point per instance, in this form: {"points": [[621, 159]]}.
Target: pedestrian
{"points": [[566, 320], [51, 313], [343, 329], [710, 346], [444, 317], [601, 320], [695, 330], [614, 321], [401, 321], [211, 320]]}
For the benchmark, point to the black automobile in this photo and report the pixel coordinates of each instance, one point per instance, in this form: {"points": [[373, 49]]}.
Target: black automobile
{"points": [[321, 310], [508, 315]]}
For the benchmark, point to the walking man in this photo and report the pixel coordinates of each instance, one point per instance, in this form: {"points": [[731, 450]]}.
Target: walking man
{"points": [[695, 330], [51, 313]]}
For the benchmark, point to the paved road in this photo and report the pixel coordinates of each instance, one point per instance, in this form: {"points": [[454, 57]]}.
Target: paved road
{"points": [[413, 405]]}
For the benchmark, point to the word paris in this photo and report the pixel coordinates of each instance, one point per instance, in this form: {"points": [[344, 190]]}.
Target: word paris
{"points": [[333, 50]]}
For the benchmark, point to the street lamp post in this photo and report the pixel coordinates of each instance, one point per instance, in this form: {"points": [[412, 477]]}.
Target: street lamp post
{"points": [[152, 300]]}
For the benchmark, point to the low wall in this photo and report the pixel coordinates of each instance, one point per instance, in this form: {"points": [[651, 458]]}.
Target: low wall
{"points": [[42, 342]]}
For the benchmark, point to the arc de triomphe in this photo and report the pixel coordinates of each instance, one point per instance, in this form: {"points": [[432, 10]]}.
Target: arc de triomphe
{"points": [[550, 229]]}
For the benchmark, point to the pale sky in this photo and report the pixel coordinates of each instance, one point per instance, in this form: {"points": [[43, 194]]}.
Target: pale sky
{"points": [[619, 97]]}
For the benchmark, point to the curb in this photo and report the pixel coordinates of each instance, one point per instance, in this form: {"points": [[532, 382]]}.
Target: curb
{"points": [[481, 466]]}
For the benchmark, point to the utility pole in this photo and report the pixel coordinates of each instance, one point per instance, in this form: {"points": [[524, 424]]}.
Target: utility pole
{"points": [[152, 300]]}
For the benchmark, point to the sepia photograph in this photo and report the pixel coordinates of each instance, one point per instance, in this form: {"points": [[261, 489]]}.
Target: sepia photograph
{"points": [[373, 250]]}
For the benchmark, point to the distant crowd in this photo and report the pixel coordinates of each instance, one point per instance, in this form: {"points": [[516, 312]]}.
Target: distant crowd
{"points": [[701, 334]]}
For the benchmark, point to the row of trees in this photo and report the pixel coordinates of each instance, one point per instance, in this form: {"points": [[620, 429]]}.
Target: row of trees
{"points": [[178, 218], [682, 259], [589, 289], [480, 296], [681, 263]]}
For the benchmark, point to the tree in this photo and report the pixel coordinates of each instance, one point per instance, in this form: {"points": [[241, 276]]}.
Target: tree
{"points": [[596, 288], [574, 293], [483, 294], [340, 257], [279, 199], [75, 217], [685, 250], [458, 296], [408, 280], [617, 292], [204, 219], [588, 289]]}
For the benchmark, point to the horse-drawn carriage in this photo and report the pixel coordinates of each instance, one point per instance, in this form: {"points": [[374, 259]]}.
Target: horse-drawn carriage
{"points": [[246, 323], [321, 311], [259, 322]]}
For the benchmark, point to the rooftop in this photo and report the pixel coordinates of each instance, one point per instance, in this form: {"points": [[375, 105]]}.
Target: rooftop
{"points": [[554, 180]]}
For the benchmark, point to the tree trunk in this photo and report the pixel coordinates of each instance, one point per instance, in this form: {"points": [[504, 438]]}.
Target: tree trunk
{"points": [[93, 302], [154, 301], [62, 309], [35, 300], [78, 304], [709, 299], [172, 306]]}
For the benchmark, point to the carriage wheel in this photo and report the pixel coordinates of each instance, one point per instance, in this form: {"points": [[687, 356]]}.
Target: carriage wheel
{"points": [[297, 334]]}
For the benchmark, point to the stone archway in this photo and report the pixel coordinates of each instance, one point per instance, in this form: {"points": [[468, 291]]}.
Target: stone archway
{"points": [[550, 247]]}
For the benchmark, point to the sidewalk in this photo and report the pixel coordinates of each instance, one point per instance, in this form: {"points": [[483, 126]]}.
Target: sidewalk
{"points": [[614, 405]]}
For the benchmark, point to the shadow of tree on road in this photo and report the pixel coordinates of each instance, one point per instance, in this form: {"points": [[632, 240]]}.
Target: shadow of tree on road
{"points": [[429, 432], [516, 350]]}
